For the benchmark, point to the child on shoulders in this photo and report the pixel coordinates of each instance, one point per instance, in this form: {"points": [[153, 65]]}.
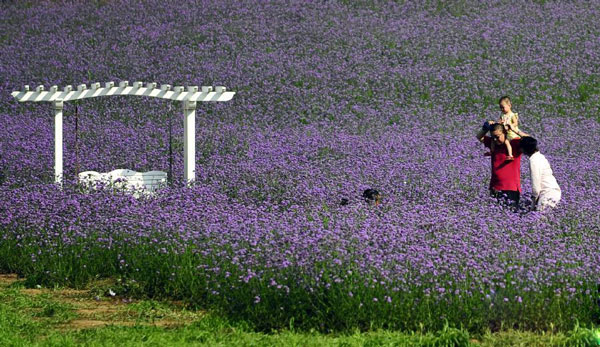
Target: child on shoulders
{"points": [[510, 120]]}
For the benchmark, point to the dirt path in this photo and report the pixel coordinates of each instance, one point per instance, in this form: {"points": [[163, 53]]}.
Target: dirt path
{"points": [[90, 311]]}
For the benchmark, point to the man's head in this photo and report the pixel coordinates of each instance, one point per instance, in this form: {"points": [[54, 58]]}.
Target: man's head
{"points": [[529, 145], [498, 133]]}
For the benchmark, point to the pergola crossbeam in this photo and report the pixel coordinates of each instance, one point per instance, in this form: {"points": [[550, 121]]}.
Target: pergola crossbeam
{"points": [[206, 93]]}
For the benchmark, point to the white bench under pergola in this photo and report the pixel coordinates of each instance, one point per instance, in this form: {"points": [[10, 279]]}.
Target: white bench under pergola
{"points": [[187, 96]]}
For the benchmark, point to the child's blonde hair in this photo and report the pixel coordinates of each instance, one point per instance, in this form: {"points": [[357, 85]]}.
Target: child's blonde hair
{"points": [[505, 97]]}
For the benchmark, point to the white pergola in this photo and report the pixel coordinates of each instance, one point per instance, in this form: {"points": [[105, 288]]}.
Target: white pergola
{"points": [[188, 96]]}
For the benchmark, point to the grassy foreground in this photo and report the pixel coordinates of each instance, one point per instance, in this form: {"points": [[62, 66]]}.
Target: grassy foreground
{"points": [[92, 317]]}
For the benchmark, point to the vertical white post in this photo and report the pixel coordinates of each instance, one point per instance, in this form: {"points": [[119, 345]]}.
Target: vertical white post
{"points": [[58, 141], [189, 141]]}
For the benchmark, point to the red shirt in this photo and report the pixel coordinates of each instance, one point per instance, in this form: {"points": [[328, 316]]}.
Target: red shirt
{"points": [[506, 175]]}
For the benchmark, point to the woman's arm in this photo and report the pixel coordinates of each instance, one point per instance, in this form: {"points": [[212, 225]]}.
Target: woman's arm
{"points": [[484, 129], [518, 132], [481, 135]]}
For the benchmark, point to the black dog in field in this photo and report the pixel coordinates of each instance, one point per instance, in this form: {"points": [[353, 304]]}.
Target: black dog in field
{"points": [[369, 195]]}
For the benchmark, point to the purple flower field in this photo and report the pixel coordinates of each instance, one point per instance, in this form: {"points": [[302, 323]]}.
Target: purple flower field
{"points": [[331, 98]]}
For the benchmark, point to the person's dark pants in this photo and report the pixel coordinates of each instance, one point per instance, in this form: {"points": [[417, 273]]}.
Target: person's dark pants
{"points": [[509, 197]]}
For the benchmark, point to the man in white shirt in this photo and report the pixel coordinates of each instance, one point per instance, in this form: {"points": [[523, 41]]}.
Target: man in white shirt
{"points": [[546, 192]]}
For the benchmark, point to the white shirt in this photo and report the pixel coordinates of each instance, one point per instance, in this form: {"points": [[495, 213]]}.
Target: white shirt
{"points": [[542, 180]]}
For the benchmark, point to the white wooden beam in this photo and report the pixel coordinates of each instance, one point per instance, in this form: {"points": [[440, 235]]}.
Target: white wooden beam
{"points": [[207, 93], [58, 142], [189, 141]]}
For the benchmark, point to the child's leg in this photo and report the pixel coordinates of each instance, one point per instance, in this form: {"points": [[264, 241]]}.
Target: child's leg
{"points": [[508, 149]]}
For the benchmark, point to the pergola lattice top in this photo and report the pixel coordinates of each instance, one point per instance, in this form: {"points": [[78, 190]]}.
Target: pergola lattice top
{"points": [[166, 91]]}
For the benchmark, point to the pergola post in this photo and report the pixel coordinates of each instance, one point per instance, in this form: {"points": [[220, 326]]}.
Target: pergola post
{"points": [[58, 141], [189, 141]]}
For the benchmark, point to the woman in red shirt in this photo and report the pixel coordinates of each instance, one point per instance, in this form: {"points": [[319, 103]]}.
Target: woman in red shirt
{"points": [[505, 182]]}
